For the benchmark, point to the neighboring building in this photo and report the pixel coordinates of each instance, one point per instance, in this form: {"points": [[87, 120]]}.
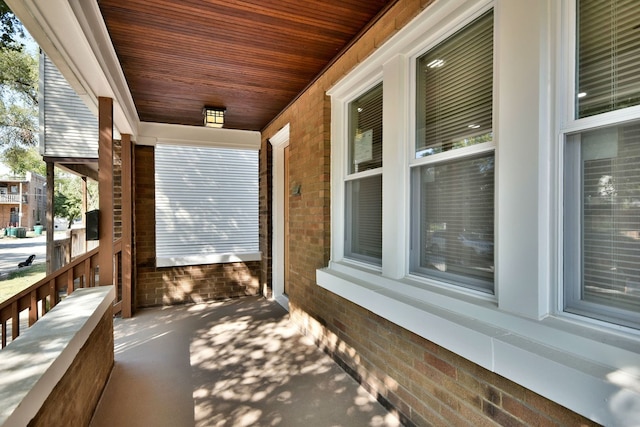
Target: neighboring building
{"points": [[23, 201]]}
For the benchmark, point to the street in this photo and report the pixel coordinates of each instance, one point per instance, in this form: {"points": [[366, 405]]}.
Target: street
{"points": [[14, 251]]}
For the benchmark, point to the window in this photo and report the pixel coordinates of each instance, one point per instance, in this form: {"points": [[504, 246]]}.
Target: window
{"points": [[602, 225], [207, 209], [608, 52], [363, 239], [447, 199], [453, 178], [601, 164]]}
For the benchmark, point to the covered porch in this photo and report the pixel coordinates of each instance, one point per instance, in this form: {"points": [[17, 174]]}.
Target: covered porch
{"points": [[239, 362], [289, 75]]}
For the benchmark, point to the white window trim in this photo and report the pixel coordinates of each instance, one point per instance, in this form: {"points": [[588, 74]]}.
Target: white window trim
{"points": [[589, 367], [279, 142]]}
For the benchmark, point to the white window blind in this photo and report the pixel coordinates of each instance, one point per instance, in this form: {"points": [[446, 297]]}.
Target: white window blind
{"points": [[455, 90], [608, 56], [454, 213], [453, 193], [206, 205], [364, 207], [365, 115], [363, 239], [602, 244]]}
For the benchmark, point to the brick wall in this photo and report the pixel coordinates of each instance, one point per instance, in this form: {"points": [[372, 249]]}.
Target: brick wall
{"points": [[74, 399], [426, 384], [5, 215], [174, 285], [265, 220]]}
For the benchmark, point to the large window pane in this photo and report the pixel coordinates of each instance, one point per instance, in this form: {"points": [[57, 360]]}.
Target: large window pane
{"points": [[454, 209], [608, 56], [365, 136], [455, 90], [364, 219], [604, 281]]}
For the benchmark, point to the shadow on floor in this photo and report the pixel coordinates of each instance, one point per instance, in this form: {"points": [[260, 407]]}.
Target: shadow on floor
{"points": [[235, 363]]}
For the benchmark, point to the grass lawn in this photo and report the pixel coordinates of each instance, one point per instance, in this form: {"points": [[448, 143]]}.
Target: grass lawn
{"points": [[21, 279]]}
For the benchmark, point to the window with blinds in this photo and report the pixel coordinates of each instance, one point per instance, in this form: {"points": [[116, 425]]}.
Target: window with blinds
{"points": [[363, 186], [454, 216], [453, 198], [455, 90], [601, 228], [608, 53], [206, 205], [365, 131], [364, 207], [605, 279]]}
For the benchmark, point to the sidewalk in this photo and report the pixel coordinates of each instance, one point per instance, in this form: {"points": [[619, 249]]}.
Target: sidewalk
{"points": [[14, 251]]}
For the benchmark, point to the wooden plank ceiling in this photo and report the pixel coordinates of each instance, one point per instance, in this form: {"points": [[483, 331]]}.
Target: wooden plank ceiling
{"points": [[252, 57]]}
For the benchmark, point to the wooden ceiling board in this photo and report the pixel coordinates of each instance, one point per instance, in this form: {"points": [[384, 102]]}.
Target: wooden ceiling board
{"points": [[252, 57]]}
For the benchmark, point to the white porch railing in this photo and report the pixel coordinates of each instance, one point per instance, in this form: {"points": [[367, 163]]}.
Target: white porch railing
{"points": [[9, 198]]}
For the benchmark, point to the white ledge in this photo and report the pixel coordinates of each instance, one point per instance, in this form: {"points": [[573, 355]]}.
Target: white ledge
{"points": [[180, 261], [592, 373], [32, 364]]}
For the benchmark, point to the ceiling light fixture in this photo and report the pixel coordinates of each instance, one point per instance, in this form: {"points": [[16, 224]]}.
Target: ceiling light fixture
{"points": [[436, 63], [213, 117]]}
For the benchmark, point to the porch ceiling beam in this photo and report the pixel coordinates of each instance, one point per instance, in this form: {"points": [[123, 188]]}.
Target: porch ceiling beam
{"points": [[163, 133]]}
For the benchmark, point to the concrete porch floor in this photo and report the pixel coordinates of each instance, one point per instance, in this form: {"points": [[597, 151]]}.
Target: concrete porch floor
{"points": [[233, 363]]}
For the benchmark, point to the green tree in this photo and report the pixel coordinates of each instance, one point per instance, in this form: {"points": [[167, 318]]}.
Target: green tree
{"points": [[67, 199], [18, 85], [10, 27], [24, 159]]}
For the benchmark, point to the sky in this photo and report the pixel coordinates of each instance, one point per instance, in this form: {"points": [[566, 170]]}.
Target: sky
{"points": [[4, 170]]}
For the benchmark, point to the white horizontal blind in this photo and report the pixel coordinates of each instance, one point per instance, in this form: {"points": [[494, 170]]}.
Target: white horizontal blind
{"points": [[365, 117], [453, 200], [608, 56], [363, 238], [455, 218], [608, 283], [455, 90], [70, 128], [364, 207], [206, 205]]}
